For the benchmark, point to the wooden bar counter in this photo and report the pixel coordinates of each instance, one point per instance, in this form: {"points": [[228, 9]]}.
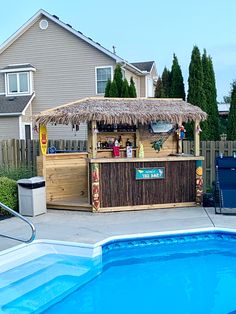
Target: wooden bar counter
{"points": [[114, 184]]}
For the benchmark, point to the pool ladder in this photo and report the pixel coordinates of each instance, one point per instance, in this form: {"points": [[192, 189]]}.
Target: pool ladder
{"points": [[14, 213]]}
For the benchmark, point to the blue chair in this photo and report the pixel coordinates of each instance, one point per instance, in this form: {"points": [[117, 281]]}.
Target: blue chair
{"points": [[225, 186]]}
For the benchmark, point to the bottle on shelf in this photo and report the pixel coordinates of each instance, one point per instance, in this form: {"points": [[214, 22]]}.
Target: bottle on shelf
{"points": [[128, 143], [120, 141]]}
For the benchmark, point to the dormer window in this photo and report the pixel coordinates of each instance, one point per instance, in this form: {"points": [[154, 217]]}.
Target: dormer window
{"points": [[18, 79], [18, 83]]}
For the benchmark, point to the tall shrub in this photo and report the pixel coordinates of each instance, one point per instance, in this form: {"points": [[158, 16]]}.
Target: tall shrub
{"points": [[166, 82], [118, 79], [209, 87], [132, 89], [177, 81], [231, 128], [196, 94], [159, 88]]}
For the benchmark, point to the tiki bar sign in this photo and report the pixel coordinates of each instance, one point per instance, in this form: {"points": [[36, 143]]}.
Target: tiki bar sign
{"points": [[149, 173]]}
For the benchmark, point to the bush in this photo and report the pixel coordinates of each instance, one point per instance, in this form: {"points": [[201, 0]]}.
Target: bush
{"points": [[16, 173], [8, 194]]}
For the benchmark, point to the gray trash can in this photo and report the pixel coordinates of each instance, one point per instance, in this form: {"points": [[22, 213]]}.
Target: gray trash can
{"points": [[32, 196]]}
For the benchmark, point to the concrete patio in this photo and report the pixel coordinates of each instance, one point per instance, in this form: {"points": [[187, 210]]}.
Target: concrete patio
{"points": [[91, 227]]}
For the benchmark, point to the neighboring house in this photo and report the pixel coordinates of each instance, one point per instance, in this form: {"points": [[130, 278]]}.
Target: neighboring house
{"points": [[223, 109], [47, 63]]}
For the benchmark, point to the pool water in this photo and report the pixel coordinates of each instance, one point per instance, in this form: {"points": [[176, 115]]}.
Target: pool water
{"points": [[177, 275], [37, 284]]}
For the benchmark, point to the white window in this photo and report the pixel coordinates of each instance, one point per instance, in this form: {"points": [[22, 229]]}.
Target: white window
{"points": [[18, 83], [103, 74]]}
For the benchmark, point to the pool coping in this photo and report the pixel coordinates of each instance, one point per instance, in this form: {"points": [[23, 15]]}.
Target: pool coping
{"points": [[87, 249]]}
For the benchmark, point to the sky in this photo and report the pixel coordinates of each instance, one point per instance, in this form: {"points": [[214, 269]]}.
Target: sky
{"points": [[145, 30]]}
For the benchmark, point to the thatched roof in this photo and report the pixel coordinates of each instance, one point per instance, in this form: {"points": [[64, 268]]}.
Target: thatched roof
{"points": [[122, 110]]}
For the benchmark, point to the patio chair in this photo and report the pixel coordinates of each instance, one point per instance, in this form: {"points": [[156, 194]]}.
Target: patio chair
{"points": [[225, 186]]}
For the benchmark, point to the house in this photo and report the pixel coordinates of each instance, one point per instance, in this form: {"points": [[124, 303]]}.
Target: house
{"points": [[47, 63]]}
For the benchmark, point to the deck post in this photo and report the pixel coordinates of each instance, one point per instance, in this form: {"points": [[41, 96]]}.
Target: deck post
{"points": [[196, 138], [94, 138]]}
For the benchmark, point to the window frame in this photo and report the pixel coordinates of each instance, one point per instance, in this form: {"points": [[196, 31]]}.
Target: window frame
{"points": [[18, 92], [96, 78]]}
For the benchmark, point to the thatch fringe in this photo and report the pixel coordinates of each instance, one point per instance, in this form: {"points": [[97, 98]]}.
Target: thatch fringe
{"points": [[122, 110]]}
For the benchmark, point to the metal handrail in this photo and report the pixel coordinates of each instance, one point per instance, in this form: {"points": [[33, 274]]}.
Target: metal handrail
{"points": [[14, 213]]}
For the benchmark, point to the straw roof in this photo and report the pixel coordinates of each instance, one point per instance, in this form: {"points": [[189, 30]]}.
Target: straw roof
{"points": [[122, 110]]}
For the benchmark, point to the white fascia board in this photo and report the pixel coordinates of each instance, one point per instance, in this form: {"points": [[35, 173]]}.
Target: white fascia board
{"points": [[25, 26], [132, 68], [20, 129], [17, 70], [10, 114], [29, 102], [20, 31]]}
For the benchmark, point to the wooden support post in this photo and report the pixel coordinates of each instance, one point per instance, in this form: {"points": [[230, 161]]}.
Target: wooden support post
{"points": [[94, 138], [95, 186], [137, 140], [199, 182], [196, 138], [180, 140]]}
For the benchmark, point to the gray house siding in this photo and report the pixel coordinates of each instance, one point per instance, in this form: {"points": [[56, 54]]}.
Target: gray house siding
{"points": [[9, 128], [65, 66], [65, 70]]}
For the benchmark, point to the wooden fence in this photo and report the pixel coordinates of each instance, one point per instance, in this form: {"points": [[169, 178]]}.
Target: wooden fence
{"points": [[18, 153], [23, 153], [210, 150]]}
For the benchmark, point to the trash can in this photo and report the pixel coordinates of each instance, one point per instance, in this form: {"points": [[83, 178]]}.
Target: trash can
{"points": [[32, 196]]}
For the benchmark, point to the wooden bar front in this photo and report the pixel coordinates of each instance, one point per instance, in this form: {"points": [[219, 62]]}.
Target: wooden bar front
{"points": [[119, 190]]}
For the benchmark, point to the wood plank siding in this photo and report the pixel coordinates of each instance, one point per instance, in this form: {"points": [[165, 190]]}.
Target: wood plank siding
{"points": [[119, 187]]}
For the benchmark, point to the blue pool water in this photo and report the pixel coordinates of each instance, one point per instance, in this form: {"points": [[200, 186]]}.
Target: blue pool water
{"points": [[194, 273]]}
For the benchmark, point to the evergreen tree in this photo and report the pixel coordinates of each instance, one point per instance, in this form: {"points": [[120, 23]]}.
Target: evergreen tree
{"points": [[209, 87], [107, 89], [125, 89], [118, 78], [166, 82], [113, 90], [196, 94], [231, 129], [159, 88], [177, 81], [132, 89]]}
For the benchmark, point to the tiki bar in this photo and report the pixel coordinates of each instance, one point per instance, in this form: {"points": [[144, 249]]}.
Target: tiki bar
{"points": [[134, 157]]}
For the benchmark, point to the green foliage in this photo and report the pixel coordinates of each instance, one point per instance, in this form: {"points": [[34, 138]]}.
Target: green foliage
{"points": [[196, 95], [119, 87], [177, 81], [118, 79], [132, 89], [107, 89], [16, 173], [113, 90], [209, 87], [166, 82], [8, 194], [125, 89], [157, 145], [231, 129], [159, 88]]}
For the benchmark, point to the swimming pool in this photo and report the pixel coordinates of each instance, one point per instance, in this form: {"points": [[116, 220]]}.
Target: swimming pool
{"points": [[184, 272]]}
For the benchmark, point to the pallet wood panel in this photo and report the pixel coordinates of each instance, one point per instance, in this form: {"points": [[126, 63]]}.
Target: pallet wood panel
{"points": [[66, 177]]}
